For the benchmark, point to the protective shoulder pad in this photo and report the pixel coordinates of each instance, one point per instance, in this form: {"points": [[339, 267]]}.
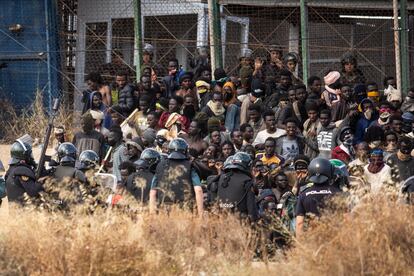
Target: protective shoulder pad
{"points": [[305, 187], [24, 171]]}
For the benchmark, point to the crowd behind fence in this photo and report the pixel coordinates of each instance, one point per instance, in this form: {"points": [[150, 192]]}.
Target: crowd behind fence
{"points": [[94, 35]]}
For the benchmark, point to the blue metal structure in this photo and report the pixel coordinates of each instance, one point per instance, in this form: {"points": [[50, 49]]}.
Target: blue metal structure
{"points": [[29, 50]]}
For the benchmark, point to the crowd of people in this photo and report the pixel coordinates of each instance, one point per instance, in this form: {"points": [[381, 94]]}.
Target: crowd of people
{"points": [[260, 141]]}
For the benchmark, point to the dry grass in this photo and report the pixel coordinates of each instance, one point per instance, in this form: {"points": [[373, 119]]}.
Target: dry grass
{"points": [[106, 243], [376, 239], [33, 120]]}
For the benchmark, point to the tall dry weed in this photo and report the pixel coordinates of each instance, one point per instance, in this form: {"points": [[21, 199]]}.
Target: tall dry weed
{"points": [[32, 120], [377, 238], [173, 243]]}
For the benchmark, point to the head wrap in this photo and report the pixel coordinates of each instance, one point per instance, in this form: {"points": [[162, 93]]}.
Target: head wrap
{"points": [[97, 114], [373, 94], [392, 94], [59, 130], [331, 77], [377, 151], [384, 118], [200, 84], [230, 84]]}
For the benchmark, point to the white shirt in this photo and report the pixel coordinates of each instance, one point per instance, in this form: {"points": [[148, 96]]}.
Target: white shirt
{"points": [[378, 180], [263, 135]]}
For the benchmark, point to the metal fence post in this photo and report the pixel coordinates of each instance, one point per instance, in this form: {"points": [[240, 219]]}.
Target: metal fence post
{"points": [[405, 71], [138, 38], [397, 45], [304, 39], [215, 35]]}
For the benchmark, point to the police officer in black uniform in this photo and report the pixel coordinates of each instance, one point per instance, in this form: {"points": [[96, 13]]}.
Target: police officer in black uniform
{"points": [[88, 160], [21, 185], [235, 187], [139, 183], [68, 184], [310, 200], [175, 180], [66, 167]]}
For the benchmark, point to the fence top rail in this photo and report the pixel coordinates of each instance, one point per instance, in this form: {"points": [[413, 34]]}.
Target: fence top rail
{"points": [[338, 4]]}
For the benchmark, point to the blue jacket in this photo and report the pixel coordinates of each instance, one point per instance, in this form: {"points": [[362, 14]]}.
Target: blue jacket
{"points": [[361, 127]]}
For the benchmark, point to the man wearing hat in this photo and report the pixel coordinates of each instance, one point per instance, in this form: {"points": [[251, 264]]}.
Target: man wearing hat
{"points": [[408, 103], [369, 115], [274, 65], [99, 117], [351, 74], [377, 173], [203, 92], [147, 54], [372, 92], [59, 133], [186, 85], [383, 120], [134, 148], [401, 162], [290, 61], [345, 151], [255, 97]]}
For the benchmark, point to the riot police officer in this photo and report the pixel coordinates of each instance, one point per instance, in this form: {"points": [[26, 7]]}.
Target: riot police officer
{"points": [[67, 185], [175, 180], [235, 187], [66, 168], [139, 183], [88, 160], [21, 185], [310, 200]]}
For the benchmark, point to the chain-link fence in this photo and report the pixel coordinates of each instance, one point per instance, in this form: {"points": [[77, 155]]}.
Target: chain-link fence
{"points": [[99, 35]]}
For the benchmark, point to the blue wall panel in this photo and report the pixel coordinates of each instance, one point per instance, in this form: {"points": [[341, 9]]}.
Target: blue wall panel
{"points": [[25, 52]]}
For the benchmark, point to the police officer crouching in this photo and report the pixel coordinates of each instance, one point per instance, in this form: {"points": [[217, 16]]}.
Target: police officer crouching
{"points": [[235, 187], [67, 161], [21, 185], [66, 187], [311, 199], [175, 180], [139, 183]]}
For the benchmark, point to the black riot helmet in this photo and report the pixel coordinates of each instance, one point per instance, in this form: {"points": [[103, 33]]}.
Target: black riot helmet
{"points": [[67, 153], [240, 160], [21, 151], [320, 170], [88, 159], [178, 149], [152, 157]]}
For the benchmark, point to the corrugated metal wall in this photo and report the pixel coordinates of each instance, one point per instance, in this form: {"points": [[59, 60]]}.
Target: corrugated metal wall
{"points": [[24, 50]]}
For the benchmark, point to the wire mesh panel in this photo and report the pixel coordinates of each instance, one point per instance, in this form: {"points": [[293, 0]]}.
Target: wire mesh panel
{"points": [[366, 34], [264, 28], [99, 35]]}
